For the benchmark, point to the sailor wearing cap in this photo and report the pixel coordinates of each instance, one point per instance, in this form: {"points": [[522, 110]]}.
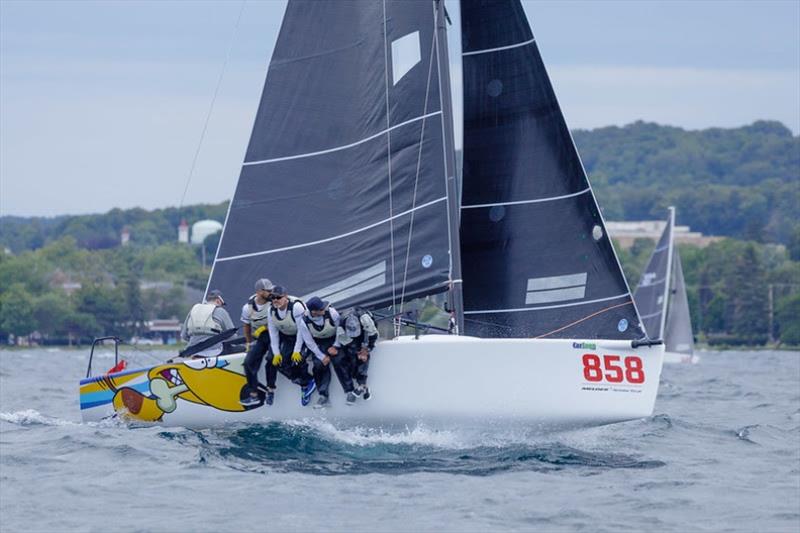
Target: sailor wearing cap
{"points": [[284, 323], [204, 321], [357, 335], [322, 349], [255, 315]]}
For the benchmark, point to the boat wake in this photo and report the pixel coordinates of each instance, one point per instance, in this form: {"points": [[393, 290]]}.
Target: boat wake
{"points": [[320, 448]]}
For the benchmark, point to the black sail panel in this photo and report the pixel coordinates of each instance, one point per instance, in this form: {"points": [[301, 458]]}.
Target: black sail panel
{"points": [[536, 258], [651, 293], [343, 192]]}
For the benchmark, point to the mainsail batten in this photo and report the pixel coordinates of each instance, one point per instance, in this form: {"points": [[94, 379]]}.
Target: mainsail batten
{"points": [[528, 211], [345, 168]]}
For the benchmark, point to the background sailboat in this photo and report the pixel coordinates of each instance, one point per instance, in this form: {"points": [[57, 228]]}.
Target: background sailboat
{"points": [[348, 192], [662, 301]]}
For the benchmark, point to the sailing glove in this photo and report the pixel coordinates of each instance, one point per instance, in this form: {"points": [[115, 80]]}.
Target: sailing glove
{"points": [[296, 358], [259, 331], [277, 359]]}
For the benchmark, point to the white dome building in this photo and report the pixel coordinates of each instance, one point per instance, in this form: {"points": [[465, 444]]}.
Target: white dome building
{"points": [[203, 228]]}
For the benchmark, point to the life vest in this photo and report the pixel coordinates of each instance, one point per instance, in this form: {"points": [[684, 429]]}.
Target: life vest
{"points": [[286, 325], [258, 317], [201, 321], [321, 331]]}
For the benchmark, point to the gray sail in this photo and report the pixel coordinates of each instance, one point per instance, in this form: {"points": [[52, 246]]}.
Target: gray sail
{"points": [[536, 258], [343, 190], [678, 335], [651, 294]]}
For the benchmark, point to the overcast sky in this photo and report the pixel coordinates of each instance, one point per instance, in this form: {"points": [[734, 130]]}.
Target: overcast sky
{"points": [[102, 104]]}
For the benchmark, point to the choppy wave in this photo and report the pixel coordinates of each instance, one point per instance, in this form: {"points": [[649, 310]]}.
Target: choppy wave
{"points": [[32, 417]]}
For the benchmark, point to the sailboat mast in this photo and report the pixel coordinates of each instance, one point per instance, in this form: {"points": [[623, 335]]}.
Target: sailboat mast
{"points": [[453, 198]]}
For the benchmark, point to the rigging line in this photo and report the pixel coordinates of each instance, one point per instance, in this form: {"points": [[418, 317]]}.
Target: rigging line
{"points": [[389, 147], [211, 106], [604, 310], [419, 163]]}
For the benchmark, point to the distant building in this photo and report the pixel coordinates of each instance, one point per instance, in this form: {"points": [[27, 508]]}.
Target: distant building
{"points": [[626, 233], [183, 232], [203, 229], [125, 236]]}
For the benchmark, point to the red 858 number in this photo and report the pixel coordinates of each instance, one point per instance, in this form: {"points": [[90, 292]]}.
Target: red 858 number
{"points": [[612, 369]]}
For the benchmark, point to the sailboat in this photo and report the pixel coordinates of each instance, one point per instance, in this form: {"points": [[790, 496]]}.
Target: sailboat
{"points": [[662, 301], [349, 192]]}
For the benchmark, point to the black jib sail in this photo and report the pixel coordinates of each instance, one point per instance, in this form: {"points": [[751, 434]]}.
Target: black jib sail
{"points": [[343, 190], [537, 261], [652, 293]]}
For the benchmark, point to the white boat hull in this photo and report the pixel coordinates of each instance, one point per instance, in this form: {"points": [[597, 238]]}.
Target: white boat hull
{"points": [[433, 378]]}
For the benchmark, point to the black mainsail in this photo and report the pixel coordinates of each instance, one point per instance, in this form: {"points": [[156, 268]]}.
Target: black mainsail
{"points": [[343, 193], [537, 260], [652, 293]]}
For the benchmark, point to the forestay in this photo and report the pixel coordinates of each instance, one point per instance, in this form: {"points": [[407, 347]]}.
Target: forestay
{"points": [[537, 261], [652, 293], [343, 190]]}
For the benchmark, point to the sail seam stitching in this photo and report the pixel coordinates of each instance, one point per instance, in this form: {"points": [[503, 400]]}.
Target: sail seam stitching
{"points": [[499, 48], [519, 202], [343, 147], [335, 237], [545, 307]]}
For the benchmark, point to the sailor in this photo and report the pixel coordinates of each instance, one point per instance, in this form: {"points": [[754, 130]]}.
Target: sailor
{"points": [[205, 320], [357, 335], [255, 315], [322, 348], [284, 323]]}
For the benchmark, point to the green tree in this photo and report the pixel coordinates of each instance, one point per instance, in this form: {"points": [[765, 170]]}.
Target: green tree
{"points": [[787, 318], [747, 304], [16, 311]]}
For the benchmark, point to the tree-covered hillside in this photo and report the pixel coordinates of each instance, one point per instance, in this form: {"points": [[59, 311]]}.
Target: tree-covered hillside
{"points": [[95, 232], [741, 182]]}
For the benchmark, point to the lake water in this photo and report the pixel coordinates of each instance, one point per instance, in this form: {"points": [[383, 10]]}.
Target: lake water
{"points": [[721, 453]]}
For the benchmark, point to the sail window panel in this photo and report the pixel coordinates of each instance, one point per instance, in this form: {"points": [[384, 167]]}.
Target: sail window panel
{"points": [[317, 93], [417, 164], [412, 83], [499, 258], [493, 23], [516, 144], [555, 295], [557, 282], [405, 55]]}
